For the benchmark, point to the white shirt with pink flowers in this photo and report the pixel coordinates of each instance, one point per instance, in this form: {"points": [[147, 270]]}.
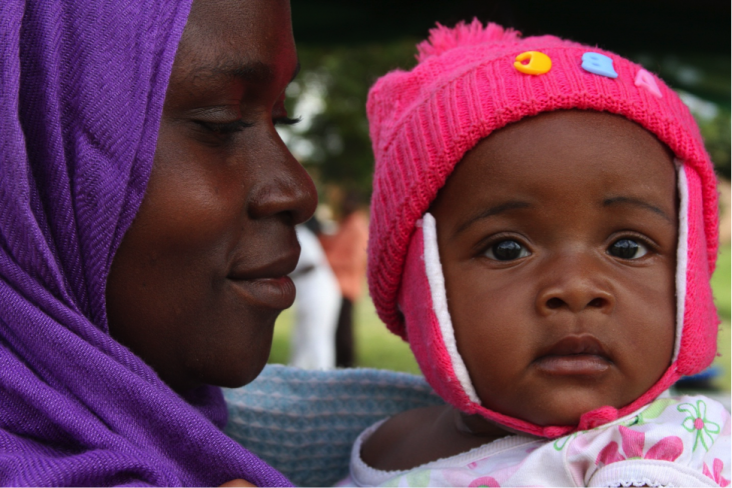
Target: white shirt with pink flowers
{"points": [[674, 441]]}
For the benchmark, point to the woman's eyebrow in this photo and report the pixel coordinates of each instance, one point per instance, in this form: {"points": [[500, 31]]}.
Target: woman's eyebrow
{"points": [[494, 210], [252, 71], [636, 202]]}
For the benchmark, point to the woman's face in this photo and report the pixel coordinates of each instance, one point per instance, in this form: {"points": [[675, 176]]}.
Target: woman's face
{"points": [[201, 275]]}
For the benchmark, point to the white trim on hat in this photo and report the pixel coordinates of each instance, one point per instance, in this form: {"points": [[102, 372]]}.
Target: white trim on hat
{"points": [[682, 254], [433, 269]]}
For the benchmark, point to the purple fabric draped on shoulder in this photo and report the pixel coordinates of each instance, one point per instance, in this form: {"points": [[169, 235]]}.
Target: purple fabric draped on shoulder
{"points": [[82, 85]]}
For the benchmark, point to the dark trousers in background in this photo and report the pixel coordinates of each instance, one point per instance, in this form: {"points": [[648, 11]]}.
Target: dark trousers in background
{"points": [[344, 336]]}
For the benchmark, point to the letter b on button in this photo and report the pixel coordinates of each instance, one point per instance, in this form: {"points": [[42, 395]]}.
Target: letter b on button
{"points": [[598, 64]]}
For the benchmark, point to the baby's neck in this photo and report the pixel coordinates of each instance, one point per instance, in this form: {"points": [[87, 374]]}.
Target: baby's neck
{"points": [[477, 426], [416, 437]]}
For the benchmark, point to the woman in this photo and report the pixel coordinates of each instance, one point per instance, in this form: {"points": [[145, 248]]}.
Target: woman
{"points": [[145, 236]]}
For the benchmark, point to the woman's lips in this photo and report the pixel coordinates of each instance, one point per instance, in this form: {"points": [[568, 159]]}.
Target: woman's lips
{"points": [[268, 285], [275, 293], [574, 355]]}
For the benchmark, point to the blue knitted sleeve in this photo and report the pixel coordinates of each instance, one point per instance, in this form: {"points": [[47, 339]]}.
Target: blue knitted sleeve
{"points": [[304, 422]]}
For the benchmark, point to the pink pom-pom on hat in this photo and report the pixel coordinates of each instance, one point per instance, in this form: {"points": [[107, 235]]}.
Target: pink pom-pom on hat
{"points": [[443, 38], [464, 87]]}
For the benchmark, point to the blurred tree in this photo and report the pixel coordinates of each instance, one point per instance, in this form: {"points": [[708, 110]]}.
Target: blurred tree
{"points": [[345, 46], [672, 26], [703, 81], [716, 133], [333, 139]]}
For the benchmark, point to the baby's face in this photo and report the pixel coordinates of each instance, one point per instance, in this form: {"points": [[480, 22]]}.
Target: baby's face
{"points": [[557, 237]]}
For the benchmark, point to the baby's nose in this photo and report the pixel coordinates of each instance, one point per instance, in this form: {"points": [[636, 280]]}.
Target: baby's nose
{"points": [[574, 288]]}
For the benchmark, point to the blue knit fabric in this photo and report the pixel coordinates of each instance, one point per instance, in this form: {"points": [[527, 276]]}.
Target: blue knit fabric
{"points": [[303, 423]]}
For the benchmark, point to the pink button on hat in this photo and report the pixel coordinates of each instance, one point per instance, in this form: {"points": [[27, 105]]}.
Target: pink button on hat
{"points": [[466, 85]]}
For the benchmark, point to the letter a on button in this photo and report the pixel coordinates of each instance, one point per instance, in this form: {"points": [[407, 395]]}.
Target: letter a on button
{"points": [[598, 64], [645, 80]]}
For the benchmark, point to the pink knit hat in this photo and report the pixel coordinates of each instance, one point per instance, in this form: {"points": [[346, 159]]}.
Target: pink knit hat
{"points": [[471, 81]]}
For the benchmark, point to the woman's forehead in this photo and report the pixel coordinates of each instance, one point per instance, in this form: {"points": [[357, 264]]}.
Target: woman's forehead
{"points": [[249, 39]]}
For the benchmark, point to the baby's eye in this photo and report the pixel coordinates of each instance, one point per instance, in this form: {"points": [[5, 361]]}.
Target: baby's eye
{"points": [[507, 250], [627, 249]]}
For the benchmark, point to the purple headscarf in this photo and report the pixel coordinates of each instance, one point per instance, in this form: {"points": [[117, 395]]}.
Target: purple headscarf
{"points": [[82, 85]]}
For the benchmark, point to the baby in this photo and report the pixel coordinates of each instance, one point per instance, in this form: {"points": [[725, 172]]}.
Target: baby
{"points": [[544, 226]]}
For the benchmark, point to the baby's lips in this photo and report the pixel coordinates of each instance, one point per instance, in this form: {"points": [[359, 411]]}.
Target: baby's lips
{"points": [[572, 365], [570, 345], [574, 355]]}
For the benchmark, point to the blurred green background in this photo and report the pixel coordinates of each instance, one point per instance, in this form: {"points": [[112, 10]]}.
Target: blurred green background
{"points": [[345, 46]]}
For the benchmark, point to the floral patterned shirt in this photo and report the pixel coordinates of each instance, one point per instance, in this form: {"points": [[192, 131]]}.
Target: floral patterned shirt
{"points": [[680, 441]]}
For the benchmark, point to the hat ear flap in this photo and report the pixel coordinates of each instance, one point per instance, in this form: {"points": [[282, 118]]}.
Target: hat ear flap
{"points": [[696, 316], [423, 302]]}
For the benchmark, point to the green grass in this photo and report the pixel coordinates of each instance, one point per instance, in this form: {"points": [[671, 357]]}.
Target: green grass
{"points": [[376, 347], [723, 361], [721, 283], [722, 290]]}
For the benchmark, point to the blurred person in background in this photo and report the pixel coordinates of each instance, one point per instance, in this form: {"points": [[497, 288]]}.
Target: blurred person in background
{"points": [[317, 304], [346, 253]]}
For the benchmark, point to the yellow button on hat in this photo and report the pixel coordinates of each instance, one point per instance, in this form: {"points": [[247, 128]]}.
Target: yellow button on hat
{"points": [[537, 63]]}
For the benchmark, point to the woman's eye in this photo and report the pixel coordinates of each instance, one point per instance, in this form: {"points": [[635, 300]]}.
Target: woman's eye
{"points": [[223, 128], [507, 250], [279, 113], [627, 249], [285, 120]]}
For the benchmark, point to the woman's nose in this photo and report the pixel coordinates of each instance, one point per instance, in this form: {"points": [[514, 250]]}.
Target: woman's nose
{"points": [[287, 191], [574, 287]]}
